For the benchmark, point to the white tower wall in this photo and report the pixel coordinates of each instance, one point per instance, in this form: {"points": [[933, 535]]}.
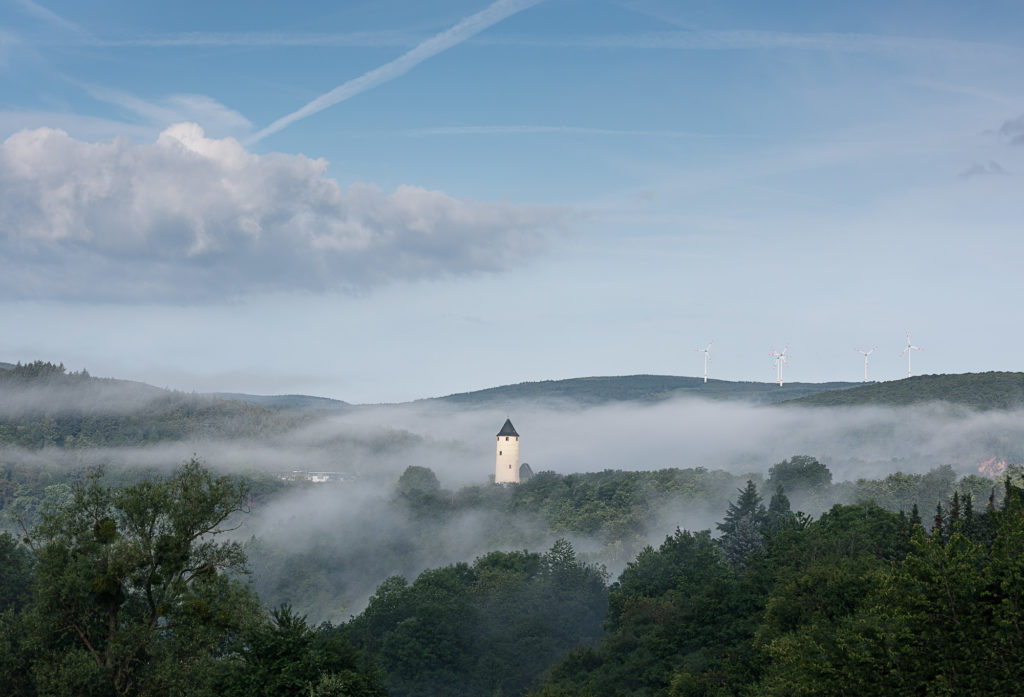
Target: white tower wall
{"points": [[506, 463]]}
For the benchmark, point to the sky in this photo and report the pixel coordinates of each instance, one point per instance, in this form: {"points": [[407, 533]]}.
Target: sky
{"points": [[379, 201]]}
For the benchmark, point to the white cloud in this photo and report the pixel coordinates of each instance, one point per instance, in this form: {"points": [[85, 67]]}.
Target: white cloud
{"points": [[190, 218]]}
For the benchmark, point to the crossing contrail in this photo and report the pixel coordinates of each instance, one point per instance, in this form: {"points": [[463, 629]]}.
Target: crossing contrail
{"points": [[467, 28]]}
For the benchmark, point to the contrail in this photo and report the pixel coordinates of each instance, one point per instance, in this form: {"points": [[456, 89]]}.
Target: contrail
{"points": [[467, 28]]}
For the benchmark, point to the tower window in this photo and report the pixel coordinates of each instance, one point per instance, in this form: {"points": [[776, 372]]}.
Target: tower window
{"points": [[506, 437], [499, 452]]}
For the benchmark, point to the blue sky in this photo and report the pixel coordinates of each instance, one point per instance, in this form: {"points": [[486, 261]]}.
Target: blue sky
{"points": [[380, 200]]}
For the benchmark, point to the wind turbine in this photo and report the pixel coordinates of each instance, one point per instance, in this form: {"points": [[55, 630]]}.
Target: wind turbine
{"points": [[780, 358], [866, 354], [910, 347], [707, 357]]}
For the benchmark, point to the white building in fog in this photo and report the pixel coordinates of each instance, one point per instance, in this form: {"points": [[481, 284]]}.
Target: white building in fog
{"points": [[506, 461]]}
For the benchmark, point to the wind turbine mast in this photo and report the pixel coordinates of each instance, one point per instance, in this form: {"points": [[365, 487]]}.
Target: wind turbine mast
{"points": [[707, 357], [910, 347], [866, 354], [780, 358]]}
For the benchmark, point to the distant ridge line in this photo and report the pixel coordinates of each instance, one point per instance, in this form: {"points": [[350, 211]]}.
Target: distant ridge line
{"points": [[641, 387], [982, 391]]}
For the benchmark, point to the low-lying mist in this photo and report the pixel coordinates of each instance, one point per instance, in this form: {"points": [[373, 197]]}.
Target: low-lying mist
{"points": [[325, 547]]}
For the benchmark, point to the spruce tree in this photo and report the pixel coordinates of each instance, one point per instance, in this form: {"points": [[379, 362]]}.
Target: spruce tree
{"points": [[780, 514], [744, 526], [915, 517], [938, 523]]}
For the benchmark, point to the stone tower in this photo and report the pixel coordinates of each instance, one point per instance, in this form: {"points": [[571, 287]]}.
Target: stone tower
{"points": [[506, 463]]}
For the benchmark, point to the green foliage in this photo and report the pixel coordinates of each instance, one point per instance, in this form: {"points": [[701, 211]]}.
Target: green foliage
{"points": [[57, 409], [943, 621], [129, 585], [493, 627], [680, 608], [615, 504], [982, 391], [744, 526], [420, 490], [800, 474], [684, 621], [282, 655], [37, 371], [418, 480], [15, 573]]}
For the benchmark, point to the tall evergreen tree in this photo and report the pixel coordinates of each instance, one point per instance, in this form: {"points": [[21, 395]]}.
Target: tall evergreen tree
{"points": [[780, 515], [744, 526], [938, 523], [969, 528]]}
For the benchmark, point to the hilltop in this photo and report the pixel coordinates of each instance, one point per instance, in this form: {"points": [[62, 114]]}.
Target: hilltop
{"points": [[285, 402], [984, 391], [42, 405], [640, 388]]}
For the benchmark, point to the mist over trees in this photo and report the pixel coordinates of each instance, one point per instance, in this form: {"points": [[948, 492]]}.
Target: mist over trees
{"points": [[399, 577], [116, 588], [859, 601], [136, 591]]}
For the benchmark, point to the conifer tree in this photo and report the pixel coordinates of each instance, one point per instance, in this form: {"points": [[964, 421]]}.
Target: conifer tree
{"points": [[744, 526], [915, 517], [969, 528], [938, 523], [780, 514]]}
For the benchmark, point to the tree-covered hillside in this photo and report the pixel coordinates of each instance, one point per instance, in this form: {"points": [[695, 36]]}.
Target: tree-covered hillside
{"points": [[287, 402], [992, 390], [860, 601], [42, 405], [640, 388]]}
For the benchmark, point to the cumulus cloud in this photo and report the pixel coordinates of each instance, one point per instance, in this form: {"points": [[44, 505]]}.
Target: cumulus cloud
{"points": [[189, 218]]}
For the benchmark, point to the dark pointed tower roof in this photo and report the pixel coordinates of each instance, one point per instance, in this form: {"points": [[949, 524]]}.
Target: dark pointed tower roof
{"points": [[508, 429]]}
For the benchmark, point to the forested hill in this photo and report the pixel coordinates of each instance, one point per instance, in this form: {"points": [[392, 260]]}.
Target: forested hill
{"points": [[641, 388], [286, 402], [43, 405], [992, 390]]}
